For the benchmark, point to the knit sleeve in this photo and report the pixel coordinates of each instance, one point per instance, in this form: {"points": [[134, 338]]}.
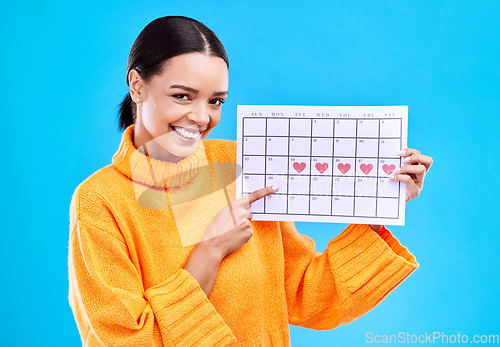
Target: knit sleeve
{"points": [[357, 270], [110, 305]]}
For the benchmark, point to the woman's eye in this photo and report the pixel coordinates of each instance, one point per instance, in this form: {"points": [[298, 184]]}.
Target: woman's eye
{"points": [[217, 102], [181, 96]]}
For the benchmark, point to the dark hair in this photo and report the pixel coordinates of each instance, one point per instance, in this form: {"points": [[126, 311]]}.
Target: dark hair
{"points": [[164, 38]]}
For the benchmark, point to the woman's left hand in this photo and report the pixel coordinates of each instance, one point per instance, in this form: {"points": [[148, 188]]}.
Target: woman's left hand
{"points": [[412, 174]]}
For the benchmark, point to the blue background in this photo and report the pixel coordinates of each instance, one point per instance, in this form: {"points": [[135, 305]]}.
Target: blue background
{"points": [[63, 68]]}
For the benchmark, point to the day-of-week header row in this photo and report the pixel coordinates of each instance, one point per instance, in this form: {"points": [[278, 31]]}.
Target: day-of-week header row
{"points": [[322, 111], [320, 115]]}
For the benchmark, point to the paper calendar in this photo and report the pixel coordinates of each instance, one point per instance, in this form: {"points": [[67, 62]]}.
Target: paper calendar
{"points": [[331, 163]]}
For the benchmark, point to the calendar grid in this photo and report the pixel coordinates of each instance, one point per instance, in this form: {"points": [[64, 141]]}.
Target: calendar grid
{"points": [[265, 159], [333, 179], [287, 167], [355, 169], [310, 161], [343, 173], [378, 169], [400, 160], [333, 176]]}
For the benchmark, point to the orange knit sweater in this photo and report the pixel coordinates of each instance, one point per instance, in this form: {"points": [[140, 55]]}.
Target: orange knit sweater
{"points": [[134, 223]]}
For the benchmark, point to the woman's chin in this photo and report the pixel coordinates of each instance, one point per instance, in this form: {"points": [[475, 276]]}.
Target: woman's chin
{"points": [[178, 152]]}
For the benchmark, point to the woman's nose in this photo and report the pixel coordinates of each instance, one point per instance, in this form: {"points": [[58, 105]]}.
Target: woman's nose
{"points": [[199, 115]]}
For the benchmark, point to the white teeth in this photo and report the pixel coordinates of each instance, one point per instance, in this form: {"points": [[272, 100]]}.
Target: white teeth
{"points": [[184, 133]]}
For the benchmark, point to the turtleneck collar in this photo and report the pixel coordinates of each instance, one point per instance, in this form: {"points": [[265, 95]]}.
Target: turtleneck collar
{"points": [[153, 172]]}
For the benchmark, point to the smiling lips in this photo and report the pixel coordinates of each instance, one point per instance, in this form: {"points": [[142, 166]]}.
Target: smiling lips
{"points": [[189, 134]]}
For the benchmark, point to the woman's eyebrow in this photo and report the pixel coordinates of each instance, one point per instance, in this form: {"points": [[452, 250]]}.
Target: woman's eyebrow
{"points": [[221, 93], [196, 91], [180, 86]]}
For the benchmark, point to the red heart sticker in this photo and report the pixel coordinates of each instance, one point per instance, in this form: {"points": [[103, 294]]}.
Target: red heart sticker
{"points": [[321, 167], [388, 169], [299, 167], [344, 167], [366, 168]]}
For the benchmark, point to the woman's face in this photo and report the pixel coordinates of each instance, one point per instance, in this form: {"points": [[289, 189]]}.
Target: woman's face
{"points": [[180, 107]]}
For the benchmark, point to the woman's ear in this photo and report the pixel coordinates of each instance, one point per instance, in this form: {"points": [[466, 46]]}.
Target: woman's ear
{"points": [[136, 85]]}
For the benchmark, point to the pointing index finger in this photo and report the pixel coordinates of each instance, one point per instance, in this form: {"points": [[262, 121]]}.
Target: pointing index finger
{"points": [[260, 193]]}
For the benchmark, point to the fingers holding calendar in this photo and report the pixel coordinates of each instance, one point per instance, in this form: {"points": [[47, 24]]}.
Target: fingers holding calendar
{"points": [[413, 173], [412, 156]]}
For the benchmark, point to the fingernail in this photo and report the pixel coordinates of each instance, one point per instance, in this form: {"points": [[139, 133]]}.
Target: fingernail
{"points": [[275, 188], [402, 152], [396, 171], [392, 175], [406, 160]]}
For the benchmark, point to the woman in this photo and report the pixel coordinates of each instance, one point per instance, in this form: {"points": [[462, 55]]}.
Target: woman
{"points": [[157, 255]]}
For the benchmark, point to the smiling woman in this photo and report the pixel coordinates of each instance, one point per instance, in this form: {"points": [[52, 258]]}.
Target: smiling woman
{"points": [[161, 253]]}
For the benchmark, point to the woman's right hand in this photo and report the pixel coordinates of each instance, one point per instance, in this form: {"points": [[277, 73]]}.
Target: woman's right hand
{"points": [[231, 228]]}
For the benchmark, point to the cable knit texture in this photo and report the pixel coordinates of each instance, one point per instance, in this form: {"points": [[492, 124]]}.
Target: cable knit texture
{"points": [[134, 223]]}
